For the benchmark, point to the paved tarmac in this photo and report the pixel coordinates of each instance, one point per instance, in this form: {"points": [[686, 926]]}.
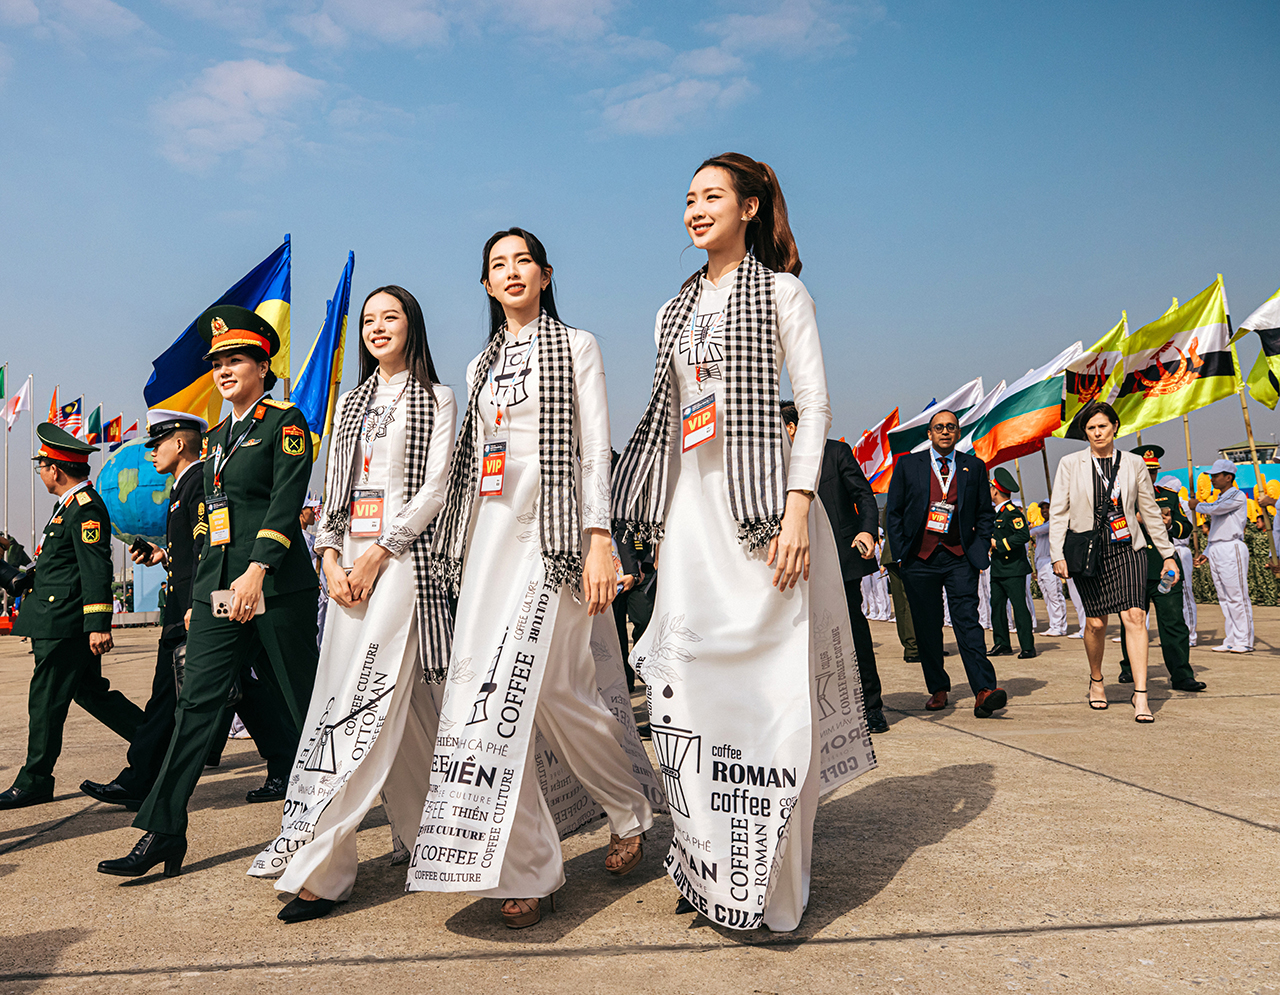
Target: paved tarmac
{"points": [[1051, 849]]}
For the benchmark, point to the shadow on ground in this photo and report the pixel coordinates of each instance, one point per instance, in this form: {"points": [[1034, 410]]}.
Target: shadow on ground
{"points": [[37, 954]]}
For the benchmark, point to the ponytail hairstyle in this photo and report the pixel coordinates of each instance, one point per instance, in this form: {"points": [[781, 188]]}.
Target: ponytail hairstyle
{"points": [[769, 236], [547, 299], [417, 353]]}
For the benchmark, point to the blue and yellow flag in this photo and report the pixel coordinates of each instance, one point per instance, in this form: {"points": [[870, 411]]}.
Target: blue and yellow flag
{"points": [[182, 381], [316, 392]]}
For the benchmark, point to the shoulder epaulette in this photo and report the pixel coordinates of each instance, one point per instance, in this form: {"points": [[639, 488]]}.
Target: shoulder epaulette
{"points": [[217, 426], [82, 499], [282, 405]]}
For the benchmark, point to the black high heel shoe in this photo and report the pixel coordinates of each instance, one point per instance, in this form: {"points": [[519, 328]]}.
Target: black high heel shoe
{"points": [[152, 849], [1144, 720], [1098, 706], [302, 910]]}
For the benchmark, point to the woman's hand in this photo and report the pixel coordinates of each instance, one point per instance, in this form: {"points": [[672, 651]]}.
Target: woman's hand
{"points": [[599, 577], [339, 589], [790, 547], [1172, 564], [246, 591], [365, 572], [1060, 569]]}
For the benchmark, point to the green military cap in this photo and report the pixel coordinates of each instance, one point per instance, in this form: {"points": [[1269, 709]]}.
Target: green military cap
{"points": [[1150, 455], [59, 444], [1004, 480], [229, 328]]}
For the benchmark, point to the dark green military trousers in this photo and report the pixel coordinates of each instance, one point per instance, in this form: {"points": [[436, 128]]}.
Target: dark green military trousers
{"points": [[1175, 637], [902, 615], [285, 635], [66, 671], [1011, 590]]}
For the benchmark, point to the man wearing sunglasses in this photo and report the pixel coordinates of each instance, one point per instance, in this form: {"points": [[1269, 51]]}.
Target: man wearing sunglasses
{"points": [[939, 520]]}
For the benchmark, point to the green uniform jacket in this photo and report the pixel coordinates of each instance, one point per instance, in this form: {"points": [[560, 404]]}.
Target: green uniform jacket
{"points": [[266, 482], [1179, 528], [72, 592], [1011, 534]]}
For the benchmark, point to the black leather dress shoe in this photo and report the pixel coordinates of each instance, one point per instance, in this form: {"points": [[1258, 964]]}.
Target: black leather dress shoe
{"points": [[1001, 651], [112, 794], [1027, 655], [271, 791], [876, 721], [300, 911], [684, 906], [1190, 686], [17, 797], [1126, 676], [152, 849], [910, 658]]}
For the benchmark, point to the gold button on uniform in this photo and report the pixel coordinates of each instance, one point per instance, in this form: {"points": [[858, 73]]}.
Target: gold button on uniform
{"points": [[51, 597]]}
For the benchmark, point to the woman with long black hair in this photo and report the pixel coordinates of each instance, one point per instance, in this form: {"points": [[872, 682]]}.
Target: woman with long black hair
{"points": [[370, 731], [744, 656], [525, 534]]}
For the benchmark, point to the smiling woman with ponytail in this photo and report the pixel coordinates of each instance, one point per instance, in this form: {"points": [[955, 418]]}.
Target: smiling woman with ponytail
{"points": [[730, 657]]}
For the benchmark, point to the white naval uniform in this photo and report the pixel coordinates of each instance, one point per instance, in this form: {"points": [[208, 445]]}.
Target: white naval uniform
{"points": [[394, 764], [1055, 605], [502, 543], [1229, 563]]}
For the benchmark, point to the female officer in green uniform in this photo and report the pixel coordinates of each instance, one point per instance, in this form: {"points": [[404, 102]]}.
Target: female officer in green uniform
{"points": [[254, 597]]}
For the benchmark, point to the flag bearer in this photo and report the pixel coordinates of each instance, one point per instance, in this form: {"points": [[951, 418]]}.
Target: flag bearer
{"points": [[1228, 556], [1009, 570], [67, 614]]}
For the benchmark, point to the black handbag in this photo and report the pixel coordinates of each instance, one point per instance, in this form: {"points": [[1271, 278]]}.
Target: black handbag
{"points": [[1082, 551]]}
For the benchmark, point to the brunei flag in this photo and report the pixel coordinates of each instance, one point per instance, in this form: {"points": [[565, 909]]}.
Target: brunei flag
{"points": [[182, 381], [1089, 376], [1178, 363], [1264, 384], [1024, 413], [874, 455], [317, 390]]}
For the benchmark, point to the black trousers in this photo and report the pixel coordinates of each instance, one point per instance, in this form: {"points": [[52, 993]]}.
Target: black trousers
{"points": [[1175, 637], [637, 604], [862, 645], [151, 741], [924, 581], [1006, 591], [266, 717]]}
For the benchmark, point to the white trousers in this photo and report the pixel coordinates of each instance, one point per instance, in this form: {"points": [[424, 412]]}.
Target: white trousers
{"points": [[1186, 558], [1055, 605], [1076, 603], [1229, 564]]}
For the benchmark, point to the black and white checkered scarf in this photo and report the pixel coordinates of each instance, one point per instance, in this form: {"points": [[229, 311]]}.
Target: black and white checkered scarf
{"points": [[434, 616], [559, 520], [750, 413]]}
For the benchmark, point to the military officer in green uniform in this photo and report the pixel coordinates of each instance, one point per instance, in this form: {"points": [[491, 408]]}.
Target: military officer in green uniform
{"points": [[255, 590], [1175, 637], [67, 614], [1009, 570]]}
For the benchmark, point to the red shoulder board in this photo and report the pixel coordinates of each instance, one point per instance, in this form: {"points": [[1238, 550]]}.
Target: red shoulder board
{"points": [[260, 411]]}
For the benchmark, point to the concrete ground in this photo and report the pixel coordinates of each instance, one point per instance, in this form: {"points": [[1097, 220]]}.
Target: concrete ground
{"points": [[1051, 849]]}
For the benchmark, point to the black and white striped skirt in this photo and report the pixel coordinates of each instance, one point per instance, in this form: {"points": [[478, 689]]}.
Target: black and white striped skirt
{"points": [[1120, 583]]}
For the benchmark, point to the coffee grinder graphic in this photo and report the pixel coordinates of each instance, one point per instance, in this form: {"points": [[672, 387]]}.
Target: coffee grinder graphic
{"points": [[825, 708], [672, 745], [322, 757], [480, 710]]}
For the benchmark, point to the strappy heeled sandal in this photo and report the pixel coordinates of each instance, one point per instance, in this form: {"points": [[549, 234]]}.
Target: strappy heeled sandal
{"points": [[527, 912], [1138, 717], [1099, 706], [623, 847]]}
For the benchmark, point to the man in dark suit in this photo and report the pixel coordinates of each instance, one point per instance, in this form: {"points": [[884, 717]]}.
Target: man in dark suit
{"points": [[939, 520], [851, 506]]}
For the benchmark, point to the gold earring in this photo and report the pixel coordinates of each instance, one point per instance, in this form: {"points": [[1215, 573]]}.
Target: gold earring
{"points": [[746, 217]]}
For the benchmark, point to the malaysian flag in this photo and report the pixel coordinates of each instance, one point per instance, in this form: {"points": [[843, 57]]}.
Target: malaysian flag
{"points": [[71, 418]]}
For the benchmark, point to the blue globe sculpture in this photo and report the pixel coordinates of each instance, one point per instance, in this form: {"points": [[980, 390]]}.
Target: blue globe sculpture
{"points": [[137, 497]]}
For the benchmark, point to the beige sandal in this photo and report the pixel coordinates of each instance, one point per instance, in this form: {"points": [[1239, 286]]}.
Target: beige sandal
{"points": [[525, 911], [631, 850]]}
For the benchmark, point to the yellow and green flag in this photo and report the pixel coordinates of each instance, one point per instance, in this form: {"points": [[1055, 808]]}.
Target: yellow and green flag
{"points": [[1264, 378], [1182, 361], [1089, 377]]}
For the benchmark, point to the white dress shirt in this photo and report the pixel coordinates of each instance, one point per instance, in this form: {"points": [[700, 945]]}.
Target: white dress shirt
{"points": [[1228, 514]]}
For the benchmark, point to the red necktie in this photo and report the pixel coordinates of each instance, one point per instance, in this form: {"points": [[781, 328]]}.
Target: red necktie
{"points": [[944, 470]]}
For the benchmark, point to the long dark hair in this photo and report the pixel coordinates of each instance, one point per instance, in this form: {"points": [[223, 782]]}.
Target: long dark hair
{"points": [[769, 236], [417, 353], [497, 316]]}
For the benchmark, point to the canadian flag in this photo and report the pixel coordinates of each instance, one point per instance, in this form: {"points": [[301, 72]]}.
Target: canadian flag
{"points": [[873, 454]]}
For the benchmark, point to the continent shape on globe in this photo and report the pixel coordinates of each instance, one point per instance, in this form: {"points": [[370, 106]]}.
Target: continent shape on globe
{"points": [[136, 495]]}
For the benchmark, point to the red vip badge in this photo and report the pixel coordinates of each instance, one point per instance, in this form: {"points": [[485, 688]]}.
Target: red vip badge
{"points": [[698, 423], [493, 469]]}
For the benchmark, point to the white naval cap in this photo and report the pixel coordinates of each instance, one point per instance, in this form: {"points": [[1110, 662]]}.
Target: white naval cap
{"points": [[162, 421], [1170, 484]]}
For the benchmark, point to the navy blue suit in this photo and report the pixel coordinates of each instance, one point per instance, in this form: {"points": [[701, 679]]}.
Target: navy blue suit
{"points": [[906, 511]]}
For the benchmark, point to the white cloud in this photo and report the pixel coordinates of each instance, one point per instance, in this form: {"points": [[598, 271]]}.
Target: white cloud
{"points": [[101, 18], [665, 103], [566, 19], [18, 13], [795, 27], [246, 107]]}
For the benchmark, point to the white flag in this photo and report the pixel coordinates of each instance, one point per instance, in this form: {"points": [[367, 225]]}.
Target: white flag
{"points": [[20, 401]]}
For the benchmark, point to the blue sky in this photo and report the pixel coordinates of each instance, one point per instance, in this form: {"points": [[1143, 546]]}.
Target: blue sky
{"points": [[972, 186]]}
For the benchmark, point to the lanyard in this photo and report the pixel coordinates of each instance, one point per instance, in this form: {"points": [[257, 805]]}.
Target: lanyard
{"points": [[1114, 483], [937, 470], [380, 426], [493, 385], [220, 464]]}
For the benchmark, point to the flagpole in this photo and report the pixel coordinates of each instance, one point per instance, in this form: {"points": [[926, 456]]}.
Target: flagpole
{"points": [[6, 452], [1047, 482], [1191, 483], [32, 413], [1257, 471]]}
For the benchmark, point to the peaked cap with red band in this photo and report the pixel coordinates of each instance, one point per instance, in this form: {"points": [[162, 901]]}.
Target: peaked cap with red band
{"points": [[57, 443], [230, 328], [1150, 455]]}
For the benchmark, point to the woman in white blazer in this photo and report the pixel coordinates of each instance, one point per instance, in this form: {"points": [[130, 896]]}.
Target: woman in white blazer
{"points": [[1104, 489]]}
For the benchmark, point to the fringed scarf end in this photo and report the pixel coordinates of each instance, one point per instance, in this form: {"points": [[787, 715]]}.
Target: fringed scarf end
{"points": [[757, 533]]}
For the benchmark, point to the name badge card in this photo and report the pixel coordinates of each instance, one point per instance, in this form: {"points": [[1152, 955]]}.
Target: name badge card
{"points": [[218, 508], [493, 468], [939, 519], [698, 423], [1118, 525], [366, 512]]}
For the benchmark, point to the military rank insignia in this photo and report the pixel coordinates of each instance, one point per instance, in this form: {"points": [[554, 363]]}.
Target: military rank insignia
{"points": [[260, 412], [82, 499], [294, 440], [90, 532]]}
